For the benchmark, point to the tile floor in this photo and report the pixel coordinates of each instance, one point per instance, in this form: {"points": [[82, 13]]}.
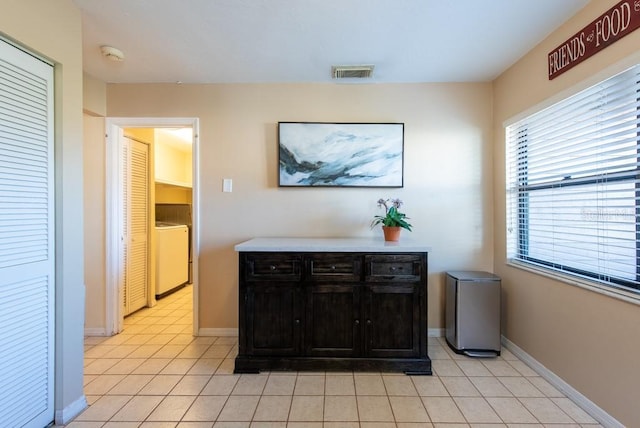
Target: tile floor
{"points": [[156, 374]]}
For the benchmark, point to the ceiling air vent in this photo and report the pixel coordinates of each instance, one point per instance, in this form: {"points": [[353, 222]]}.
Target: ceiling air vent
{"points": [[352, 71]]}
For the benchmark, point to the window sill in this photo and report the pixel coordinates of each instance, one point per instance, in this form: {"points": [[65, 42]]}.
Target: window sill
{"points": [[596, 287]]}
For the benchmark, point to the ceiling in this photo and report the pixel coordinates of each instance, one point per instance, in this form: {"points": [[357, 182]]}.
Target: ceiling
{"points": [[257, 41]]}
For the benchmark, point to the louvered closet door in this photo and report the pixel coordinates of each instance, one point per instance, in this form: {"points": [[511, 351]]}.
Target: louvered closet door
{"points": [[26, 240], [137, 207]]}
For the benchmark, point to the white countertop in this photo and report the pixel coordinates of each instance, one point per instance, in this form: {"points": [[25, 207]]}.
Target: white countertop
{"points": [[346, 245]]}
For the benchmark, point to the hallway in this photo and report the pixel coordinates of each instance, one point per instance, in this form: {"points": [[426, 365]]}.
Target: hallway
{"points": [[156, 374]]}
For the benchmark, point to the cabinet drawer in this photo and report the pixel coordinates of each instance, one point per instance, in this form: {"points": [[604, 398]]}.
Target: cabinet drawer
{"points": [[400, 267], [334, 267], [273, 267]]}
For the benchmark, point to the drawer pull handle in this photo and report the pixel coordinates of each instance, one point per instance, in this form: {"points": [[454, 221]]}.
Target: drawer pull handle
{"points": [[272, 267], [333, 268], [392, 268], [369, 322], [298, 321], [357, 322]]}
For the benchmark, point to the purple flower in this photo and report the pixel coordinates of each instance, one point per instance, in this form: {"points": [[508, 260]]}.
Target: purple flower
{"points": [[392, 216], [382, 203], [396, 203]]}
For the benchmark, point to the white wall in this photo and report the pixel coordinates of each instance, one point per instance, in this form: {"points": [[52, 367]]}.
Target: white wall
{"points": [[94, 224], [172, 159], [94, 103], [448, 172]]}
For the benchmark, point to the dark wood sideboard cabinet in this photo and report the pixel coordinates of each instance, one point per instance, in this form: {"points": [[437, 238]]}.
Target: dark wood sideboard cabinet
{"points": [[333, 311]]}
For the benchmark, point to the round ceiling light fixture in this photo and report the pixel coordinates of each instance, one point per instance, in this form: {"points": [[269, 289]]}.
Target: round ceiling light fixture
{"points": [[112, 53]]}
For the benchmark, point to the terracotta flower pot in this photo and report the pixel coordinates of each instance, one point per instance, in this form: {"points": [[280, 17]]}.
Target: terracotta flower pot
{"points": [[391, 233]]}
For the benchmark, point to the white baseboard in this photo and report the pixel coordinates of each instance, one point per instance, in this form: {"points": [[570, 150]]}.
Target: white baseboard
{"points": [[587, 405], [66, 415], [218, 332], [95, 332], [435, 332]]}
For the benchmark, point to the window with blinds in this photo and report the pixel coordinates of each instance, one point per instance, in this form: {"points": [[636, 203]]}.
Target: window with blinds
{"points": [[573, 188]]}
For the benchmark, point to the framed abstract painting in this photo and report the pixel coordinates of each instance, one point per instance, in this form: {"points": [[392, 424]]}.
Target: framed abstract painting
{"points": [[314, 154]]}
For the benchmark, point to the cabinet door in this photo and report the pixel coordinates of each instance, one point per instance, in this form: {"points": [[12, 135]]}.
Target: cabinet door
{"points": [[273, 319], [392, 321], [333, 320]]}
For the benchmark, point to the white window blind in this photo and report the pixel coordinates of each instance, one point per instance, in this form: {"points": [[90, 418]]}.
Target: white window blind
{"points": [[573, 188]]}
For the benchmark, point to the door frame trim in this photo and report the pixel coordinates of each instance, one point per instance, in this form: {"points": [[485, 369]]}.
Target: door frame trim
{"points": [[113, 128]]}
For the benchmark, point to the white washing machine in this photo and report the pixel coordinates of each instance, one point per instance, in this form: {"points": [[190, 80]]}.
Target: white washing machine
{"points": [[172, 257]]}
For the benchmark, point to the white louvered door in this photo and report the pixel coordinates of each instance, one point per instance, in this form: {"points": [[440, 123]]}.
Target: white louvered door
{"points": [[27, 269], [136, 210]]}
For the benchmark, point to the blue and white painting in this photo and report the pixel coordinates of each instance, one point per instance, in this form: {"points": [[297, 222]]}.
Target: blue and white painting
{"points": [[341, 154]]}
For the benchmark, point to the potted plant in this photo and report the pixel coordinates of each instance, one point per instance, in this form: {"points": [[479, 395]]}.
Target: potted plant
{"points": [[392, 221]]}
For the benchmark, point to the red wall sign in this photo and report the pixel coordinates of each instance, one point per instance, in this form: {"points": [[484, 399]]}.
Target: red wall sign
{"points": [[611, 26]]}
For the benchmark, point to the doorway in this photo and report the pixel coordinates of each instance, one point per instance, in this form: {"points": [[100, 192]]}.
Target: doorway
{"points": [[184, 188]]}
